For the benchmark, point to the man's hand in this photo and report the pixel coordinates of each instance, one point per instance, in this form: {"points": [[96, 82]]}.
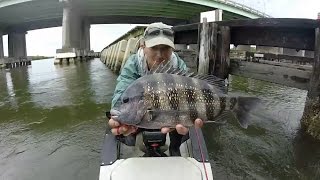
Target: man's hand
{"points": [[118, 129], [126, 130], [198, 123]]}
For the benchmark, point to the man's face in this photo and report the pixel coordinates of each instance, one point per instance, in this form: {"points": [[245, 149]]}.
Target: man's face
{"points": [[157, 54]]}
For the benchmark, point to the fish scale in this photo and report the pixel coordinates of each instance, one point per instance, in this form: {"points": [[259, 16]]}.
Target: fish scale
{"points": [[180, 96]]}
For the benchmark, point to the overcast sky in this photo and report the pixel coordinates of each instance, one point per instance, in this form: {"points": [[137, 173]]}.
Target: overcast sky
{"points": [[46, 41]]}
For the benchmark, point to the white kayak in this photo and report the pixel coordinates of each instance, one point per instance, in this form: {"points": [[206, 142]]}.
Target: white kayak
{"points": [[122, 162]]}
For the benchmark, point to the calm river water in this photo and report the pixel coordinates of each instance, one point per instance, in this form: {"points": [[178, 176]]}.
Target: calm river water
{"points": [[52, 124]]}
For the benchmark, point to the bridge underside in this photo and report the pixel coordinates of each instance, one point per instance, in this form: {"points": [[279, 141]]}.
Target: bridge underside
{"points": [[75, 16], [38, 14]]}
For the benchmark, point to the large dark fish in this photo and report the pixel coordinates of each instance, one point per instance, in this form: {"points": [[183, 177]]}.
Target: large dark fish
{"points": [[165, 100]]}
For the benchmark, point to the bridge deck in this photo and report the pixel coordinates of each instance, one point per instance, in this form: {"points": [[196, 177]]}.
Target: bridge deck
{"points": [[35, 14], [274, 32]]}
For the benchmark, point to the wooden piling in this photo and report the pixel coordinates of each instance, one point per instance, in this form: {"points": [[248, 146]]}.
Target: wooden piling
{"points": [[310, 121], [214, 50], [208, 46], [222, 64]]}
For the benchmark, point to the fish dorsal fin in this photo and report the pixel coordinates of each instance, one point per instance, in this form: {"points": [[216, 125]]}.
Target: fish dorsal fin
{"points": [[162, 68], [169, 69], [213, 80], [210, 79]]}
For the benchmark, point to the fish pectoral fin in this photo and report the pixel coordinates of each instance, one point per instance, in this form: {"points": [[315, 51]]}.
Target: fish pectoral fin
{"points": [[150, 114], [168, 68], [222, 118]]}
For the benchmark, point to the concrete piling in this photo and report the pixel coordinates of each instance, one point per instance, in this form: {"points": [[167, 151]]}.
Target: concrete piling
{"points": [[120, 55], [129, 50], [115, 55], [114, 58]]}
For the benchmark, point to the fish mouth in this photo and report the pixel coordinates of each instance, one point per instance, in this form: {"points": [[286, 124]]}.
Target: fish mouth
{"points": [[115, 112]]}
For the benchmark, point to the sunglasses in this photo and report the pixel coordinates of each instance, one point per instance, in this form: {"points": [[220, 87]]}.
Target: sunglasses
{"points": [[157, 31]]}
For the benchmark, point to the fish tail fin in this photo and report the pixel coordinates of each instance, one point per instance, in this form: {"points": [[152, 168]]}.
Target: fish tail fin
{"points": [[242, 109]]}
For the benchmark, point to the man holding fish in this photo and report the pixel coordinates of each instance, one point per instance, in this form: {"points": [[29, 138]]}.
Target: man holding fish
{"points": [[156, 91], [156, 46]]}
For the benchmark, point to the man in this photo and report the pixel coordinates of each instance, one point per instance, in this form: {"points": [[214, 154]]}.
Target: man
{"points": [[156, 46]]}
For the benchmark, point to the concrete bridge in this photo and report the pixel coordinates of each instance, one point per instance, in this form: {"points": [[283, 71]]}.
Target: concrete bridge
{"points": [[75, 16]]}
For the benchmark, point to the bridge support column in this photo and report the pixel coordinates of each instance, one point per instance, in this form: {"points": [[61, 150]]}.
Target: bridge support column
{"points": [[17, 45], [17, 49], [75, 34], [2, 64], [85, 38], [85, 31], [70, 26], [1, 46]]}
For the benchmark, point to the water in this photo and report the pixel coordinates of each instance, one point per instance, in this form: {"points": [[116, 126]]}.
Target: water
{"points": [[52, 120], [273, 147], [52, 123]]}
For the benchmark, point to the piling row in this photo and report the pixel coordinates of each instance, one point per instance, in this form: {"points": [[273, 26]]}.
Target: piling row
{"points": [[73, 55], [116, 55], [71, 60], [10, 63]]}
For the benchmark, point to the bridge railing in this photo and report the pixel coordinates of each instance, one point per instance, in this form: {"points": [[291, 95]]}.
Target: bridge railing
{"points": [[244, 7]]}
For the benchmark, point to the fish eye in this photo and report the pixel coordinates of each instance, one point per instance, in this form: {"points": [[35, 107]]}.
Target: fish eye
{"points": [[125, 100]]}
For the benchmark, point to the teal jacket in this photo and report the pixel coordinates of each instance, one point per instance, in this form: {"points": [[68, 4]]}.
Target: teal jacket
{"points": [[134, 68]]}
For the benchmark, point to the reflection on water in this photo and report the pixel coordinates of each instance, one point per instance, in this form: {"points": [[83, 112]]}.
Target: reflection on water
{"points": [[52, 123]]}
